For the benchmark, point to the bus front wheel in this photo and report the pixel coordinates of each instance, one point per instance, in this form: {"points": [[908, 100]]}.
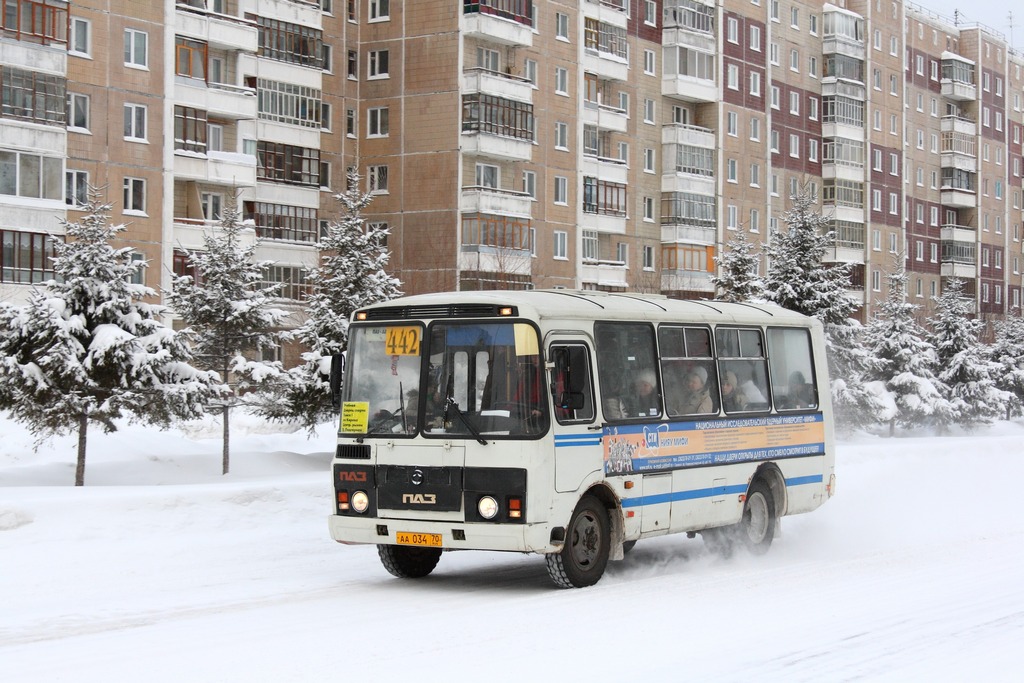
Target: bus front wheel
{"points": [[408, 562], [584, 555]]}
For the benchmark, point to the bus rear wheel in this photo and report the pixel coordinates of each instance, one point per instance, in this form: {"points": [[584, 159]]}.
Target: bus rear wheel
{"points": [[584, 555], [757, 528], [408, 562]]}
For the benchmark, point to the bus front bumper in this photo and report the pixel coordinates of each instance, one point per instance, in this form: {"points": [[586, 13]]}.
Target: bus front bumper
{"points": [[524, 538]]}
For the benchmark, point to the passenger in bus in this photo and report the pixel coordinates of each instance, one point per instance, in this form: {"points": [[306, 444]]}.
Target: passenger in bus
{"points": [[733, 398], [800, 394], [642, 402], [696, 397]]}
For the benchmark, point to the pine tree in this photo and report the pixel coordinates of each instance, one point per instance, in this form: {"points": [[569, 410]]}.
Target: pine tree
{"points": [[907, 359], [738, 280], [352, 273], [229, 313], [965, 370], [1008, 353], [797, 278], [87, 347]]}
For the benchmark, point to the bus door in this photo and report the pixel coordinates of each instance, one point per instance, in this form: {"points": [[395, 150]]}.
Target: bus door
{"points": [[576, 431], [656, 513]]}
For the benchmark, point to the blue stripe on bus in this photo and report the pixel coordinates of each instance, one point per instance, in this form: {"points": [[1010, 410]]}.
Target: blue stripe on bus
{"points": [[709, 492], [577, 440]]}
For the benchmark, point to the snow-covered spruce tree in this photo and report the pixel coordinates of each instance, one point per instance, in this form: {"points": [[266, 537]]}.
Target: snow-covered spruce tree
{"points": [[87, 348], [352, 273], [964, 367], [228, 311], [1008, 353], [737, 279], [798, 279], [907, 359]]}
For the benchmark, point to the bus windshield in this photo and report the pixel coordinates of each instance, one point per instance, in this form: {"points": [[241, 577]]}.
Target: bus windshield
{"points": [[463, 378]]}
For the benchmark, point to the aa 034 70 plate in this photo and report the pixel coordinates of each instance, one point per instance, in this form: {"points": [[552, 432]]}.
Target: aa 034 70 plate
{"points": [[425, 540]]}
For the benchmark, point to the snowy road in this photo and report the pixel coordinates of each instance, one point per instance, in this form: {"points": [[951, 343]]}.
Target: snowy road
{"points": [[913, 572]]}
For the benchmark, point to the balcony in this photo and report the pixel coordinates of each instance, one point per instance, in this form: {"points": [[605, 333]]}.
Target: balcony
{"points": [[688, 182], [605, 116], [606, 168], [958, 259], [611, 274], [686, 19], [496, 146], [611, 12], [477, 199], [686, 281], [606, 65], [958, 78], [224, 100], [189, 232], [606, 223], [480, 81], [958, 198], [682, 134], [958, 124], [218, 30], [506, 22], [688, 233], [220, 168]]}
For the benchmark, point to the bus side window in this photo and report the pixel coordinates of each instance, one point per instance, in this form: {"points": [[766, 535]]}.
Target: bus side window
{"points": [[792, 369], [572, 392], [627, 369], [742, 369]]}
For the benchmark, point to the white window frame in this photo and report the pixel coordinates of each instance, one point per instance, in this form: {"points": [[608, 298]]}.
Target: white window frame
{"points": [[132, 123], [131, 38], [129, 187], [378, 122]]}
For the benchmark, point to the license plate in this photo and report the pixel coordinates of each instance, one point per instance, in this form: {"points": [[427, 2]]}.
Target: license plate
{"points": [[427, 540]]}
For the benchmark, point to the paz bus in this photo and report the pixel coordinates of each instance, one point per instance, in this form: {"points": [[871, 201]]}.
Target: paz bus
{"points": [[573, 424]]}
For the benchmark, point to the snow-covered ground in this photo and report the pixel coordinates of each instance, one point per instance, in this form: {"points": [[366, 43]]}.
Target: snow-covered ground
{"points": [[160, 569]]}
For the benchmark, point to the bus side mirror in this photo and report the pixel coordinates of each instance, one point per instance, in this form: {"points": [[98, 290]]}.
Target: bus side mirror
{"points": [[337, 372]]}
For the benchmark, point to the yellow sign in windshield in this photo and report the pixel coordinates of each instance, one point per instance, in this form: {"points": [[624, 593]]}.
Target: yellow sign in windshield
{"points": [[355, 416], [402, 341]]}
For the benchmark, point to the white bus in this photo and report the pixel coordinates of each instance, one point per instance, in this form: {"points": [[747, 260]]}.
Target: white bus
{"points": [[575, 423]]}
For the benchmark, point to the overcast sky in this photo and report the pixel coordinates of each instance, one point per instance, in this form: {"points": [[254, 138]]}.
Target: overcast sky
{"points": [[991, 13]]}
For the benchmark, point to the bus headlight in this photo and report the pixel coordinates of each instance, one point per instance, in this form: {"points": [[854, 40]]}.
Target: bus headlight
{"points": [[487, 507], [360, 501]]}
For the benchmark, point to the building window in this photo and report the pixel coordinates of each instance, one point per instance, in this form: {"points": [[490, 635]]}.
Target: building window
{"points": [[33, 96], [648, 160], [282, 222], [78, 112], [561, 26], [76, 188], [291, 281], [190, 129], [134, 197], [530, 184], [378, 66], [135, 52], [487, 175], [291, 164], [497, 116], [648, 111], [530, 71], [648, 257], [213, 205], [190, 58], [561, 190], [377, 179], [379, 10], [377, 122], [353, 65], [648, 208], [81, 37], [31, 175], [26, 257], [560, 244], [214, 137], [603, 197], [561, 135], [135, 122], [287, 42], [651, 12], [649, 65], [590, 245], [561, 81], [288, 103]]}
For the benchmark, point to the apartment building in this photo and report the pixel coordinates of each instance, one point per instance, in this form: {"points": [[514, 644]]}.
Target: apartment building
{"points": [[602, 144]]}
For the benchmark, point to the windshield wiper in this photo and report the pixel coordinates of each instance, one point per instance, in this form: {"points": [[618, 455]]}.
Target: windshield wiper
{"points": [[450, 403]]}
